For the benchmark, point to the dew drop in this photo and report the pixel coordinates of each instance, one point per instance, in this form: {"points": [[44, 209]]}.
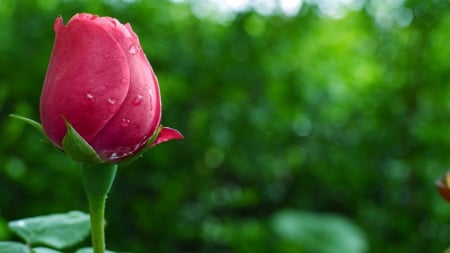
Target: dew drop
{"points": [[123, 80], [132, 50], [113, 156], [89, 98], [138, 100], [106, 55], [112, 107], [150, 98], [125, 122]]}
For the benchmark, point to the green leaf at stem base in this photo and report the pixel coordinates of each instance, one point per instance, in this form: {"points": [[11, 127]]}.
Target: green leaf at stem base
{"points": [[91, 250], [55, 230], [45, 250], [13, 247]]}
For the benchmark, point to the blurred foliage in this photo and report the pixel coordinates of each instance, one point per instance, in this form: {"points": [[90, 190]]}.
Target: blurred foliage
{"points": [[56, 231], [342, 114]]}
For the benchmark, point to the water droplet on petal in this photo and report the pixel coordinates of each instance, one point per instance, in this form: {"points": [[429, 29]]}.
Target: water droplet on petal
{"points": [[106, 55], [138, 100], [112, 107], [123, 80], [150, 98], [125, 122], [89, 98], [133, 49], [113, 156]]}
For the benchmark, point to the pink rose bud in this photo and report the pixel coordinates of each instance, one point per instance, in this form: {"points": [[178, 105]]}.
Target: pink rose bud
{"points": [[443, 186], [101, 82]]}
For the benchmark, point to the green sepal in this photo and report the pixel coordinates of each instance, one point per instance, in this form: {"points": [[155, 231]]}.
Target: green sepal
{"points": [[31, 122], [78, 148], [147, 146]]}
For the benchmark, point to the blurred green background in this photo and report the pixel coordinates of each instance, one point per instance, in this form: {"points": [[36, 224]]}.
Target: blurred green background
{"points": [[310, 126]]}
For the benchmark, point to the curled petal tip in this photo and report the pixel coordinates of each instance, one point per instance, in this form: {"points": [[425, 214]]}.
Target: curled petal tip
{"points": [[167, 134], [58, 24]]}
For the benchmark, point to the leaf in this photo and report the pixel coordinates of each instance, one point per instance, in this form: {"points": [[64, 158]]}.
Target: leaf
{"points": [[319, 233], [77, 148], [33, 123], [13, 247], [45, 250], [55, 230], [90, 250]]}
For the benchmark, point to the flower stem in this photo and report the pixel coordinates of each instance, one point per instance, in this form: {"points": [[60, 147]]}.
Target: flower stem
{"points": [[97, 180]]}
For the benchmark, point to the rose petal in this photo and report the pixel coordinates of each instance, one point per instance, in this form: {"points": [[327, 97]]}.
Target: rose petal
{"points": [[140, 114], [167, 134], [87, 79]]}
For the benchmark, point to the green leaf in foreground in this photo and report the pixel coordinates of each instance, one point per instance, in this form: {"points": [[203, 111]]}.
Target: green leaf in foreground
{"points": [[319, 233], [90, 250], [45, 250], [13, 247], [55, 230]]}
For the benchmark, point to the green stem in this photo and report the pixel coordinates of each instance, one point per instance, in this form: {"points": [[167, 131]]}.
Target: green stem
{"points": [[97, 180]]}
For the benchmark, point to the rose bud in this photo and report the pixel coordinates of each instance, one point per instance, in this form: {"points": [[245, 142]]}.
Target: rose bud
{"points": [[101, 83], [443, 186]]}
